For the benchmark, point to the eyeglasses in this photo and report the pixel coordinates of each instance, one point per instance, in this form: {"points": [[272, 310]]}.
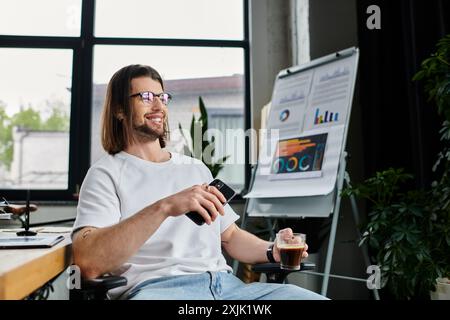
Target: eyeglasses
{"points": [[149, 97]]}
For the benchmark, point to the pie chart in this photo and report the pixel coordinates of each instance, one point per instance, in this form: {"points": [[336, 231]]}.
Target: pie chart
{"points": [[284, 115]]}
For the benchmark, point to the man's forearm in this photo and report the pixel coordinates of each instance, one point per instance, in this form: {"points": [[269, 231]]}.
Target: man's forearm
{"points": [[246, 247], [97, 251]]}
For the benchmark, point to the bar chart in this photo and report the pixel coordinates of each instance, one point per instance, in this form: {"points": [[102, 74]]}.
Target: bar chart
{"points": [[325, 117]]}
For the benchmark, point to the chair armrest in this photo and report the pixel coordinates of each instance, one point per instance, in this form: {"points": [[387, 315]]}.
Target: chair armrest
{"points": [[275, 267], [277, 275]]}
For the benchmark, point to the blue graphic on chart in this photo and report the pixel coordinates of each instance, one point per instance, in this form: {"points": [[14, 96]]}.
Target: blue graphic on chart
{"points": [[284, 115], [299, 157], [325, 117], [330, 96]]}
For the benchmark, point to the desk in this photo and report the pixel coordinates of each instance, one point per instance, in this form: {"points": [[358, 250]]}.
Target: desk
{"points": [[22, 271]]}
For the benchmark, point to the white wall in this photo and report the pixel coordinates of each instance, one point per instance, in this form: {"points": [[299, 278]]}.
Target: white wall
{"points": [[270, 50]]}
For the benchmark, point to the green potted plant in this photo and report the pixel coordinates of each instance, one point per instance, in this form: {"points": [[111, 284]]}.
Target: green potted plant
{"points": [[408, 231], [199, 145], [435, 71], [399, 233]]}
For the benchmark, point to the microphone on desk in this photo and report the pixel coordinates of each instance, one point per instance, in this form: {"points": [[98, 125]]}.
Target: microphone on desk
{"points": [[26, 223]]}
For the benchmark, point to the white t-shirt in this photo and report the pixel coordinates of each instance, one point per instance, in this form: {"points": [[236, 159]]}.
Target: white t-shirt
{"points": [[116, 187]]}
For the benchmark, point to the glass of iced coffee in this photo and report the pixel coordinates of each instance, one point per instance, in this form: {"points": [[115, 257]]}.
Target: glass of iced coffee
{"points": [[291, 250]]}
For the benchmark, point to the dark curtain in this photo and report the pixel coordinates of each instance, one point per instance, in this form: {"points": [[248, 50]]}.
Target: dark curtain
{"points": [[400, 128]]}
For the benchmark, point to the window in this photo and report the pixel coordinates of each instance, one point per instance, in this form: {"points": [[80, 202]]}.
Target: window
{"points": [[40, 18], [57, 57], [35, 118], [175, 19]]}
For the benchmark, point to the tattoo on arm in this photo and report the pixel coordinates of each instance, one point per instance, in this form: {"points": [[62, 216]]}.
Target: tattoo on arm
{"points": [[86, 233]]}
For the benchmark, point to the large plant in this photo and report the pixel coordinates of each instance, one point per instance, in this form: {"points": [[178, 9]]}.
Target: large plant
{"points": [[199, 146], [435, 71], [400, 233], [409, 231]]}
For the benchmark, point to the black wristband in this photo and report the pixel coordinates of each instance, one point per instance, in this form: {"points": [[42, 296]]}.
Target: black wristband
{"points": [[269, 254]]}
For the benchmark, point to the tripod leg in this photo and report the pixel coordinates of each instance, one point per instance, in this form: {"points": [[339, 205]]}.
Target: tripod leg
{"points": [[330, 249], [271, 227], [364, 248], [339, 184]]}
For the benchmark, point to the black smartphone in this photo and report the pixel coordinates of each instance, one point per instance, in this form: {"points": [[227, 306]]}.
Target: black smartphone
{"points": [[227, 192]]}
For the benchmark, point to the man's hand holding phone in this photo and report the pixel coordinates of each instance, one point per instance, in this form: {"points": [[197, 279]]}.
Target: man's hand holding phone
{"points": [[220, 189], [201, 203]]}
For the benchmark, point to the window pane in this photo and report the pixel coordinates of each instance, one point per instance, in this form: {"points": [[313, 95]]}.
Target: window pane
{"points": [[193, 19], [215, 74], [40, 18], [34, 118]]}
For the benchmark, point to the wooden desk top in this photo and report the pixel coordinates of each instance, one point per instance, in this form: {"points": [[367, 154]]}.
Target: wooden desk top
{"points": [[22, 271]]}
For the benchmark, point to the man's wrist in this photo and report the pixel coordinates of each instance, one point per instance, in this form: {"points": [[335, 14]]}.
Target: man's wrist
{"points": [[269, 253], [162, 208]]}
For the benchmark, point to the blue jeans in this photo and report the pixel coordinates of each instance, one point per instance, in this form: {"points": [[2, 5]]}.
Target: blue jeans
{"points": [[217, 286]]}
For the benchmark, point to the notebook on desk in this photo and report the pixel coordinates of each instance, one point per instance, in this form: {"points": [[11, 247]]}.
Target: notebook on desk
{"points": [[39, 241]]}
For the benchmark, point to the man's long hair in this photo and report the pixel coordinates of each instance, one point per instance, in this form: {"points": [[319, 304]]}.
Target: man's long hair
{"points": [[117, 117]]}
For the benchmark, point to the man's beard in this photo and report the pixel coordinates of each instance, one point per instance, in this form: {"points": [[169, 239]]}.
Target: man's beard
{"points": [[144, 131]]}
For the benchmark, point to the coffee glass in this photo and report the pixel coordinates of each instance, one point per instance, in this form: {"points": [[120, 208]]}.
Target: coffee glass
{"points": [[291, 250]]}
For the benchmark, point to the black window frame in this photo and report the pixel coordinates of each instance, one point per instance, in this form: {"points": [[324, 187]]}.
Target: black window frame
{"points": [[81, 93]]}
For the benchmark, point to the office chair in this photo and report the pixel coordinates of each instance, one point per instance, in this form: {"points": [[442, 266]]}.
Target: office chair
{"points": [[275, 274], [96, 289]]}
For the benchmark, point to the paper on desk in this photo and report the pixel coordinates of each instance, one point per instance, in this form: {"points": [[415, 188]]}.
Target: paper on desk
{"points": [[42, 229]]}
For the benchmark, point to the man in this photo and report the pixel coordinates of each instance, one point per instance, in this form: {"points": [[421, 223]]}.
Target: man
{"points": [[131, 213]]}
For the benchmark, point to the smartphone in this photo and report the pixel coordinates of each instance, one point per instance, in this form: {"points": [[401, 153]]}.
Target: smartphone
{"points": [[227, 192]]}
